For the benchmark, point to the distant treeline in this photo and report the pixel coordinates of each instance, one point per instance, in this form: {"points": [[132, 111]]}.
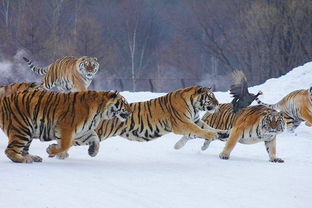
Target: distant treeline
{"points": [[158, 45]]}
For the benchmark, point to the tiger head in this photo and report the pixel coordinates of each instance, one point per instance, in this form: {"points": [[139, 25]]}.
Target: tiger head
{"points": [[88, 66], [117, 107], [205, 100], [273, 123]]}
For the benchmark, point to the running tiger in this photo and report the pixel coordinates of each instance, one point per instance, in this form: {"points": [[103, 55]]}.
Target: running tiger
{"points": [[50, 115], [297, 104], [176, 112], [250, 125], [68, 73]]}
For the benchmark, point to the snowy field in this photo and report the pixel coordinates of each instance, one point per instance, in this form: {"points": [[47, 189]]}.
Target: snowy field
{"points": [[154, 175]]}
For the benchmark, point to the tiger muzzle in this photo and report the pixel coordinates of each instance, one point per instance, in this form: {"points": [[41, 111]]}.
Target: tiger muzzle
{"points": [[89, 75]]}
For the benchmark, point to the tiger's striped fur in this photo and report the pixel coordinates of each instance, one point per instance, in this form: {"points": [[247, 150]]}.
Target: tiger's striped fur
{"points": [[297, 104], [250, 125], [50, 115], [176, 112], [68, 73], [17, 87]]}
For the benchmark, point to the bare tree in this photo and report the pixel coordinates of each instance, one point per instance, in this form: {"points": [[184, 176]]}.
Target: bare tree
{"points": [[165, 44], [4, 11], [261, 38]]}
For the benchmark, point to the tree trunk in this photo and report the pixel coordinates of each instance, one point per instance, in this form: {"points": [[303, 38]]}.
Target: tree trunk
{"points": [[132, 47]]}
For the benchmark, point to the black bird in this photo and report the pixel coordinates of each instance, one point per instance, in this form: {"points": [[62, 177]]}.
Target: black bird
{"points": [[239, 90]]}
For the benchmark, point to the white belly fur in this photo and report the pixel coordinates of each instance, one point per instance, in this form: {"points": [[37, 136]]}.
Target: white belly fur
{"points": [[253, 140]]}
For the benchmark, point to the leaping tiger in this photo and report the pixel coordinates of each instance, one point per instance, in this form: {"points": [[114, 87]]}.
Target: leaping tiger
{"points": [[176, 112]]}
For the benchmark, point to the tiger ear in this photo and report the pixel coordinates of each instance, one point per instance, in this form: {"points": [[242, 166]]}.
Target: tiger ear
{"points": [[310, 91], [94, 58], [285, 115], [201, 90], [266, 112], [114, 94]]}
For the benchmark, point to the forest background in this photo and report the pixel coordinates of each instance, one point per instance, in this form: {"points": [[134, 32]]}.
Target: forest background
{"points": [[158, 45]]}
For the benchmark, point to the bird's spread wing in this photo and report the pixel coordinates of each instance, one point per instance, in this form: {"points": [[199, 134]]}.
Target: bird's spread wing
{"points": [[239, 87]]}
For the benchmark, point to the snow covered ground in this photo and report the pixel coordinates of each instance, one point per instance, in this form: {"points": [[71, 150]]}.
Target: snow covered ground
{"points": [[151, 175]]}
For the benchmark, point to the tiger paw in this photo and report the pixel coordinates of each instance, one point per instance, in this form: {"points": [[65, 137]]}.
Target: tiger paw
{"points": [[181, 142], [62, 155], [205, 145], [18, 158], [93, 149], [36, 158], [23, 159], [50, 148], [277, 160], [222, 136], [224, 156]]}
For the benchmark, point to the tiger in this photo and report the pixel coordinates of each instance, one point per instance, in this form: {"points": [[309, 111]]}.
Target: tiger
{"points": [[176, 112], [68, 73], [49, 115], [297, 104], [17, 87], [250, 125]]}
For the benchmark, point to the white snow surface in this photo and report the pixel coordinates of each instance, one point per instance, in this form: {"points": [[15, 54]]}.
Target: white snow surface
{"points": [[154, 175]]}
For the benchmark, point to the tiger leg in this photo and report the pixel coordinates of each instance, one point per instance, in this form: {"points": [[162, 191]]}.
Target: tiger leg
{"points": [[61, 155], [79, 87], [307, 116], [25, 152], [230, 144], [49, 82], [65, 143], [205, 145], [94, 144], [90, 138], [270, 147], [194, 130], [207, 127], [15, 148], [182, 142], [185, 139], [295, 124], [222, 134]]}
